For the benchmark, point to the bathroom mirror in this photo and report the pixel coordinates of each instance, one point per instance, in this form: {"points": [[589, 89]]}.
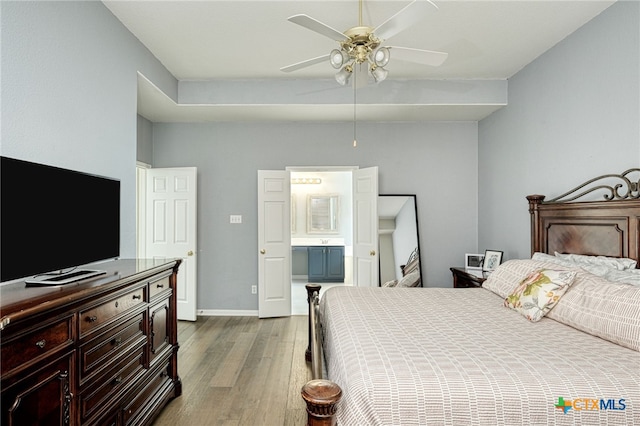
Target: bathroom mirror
{"points": [[322, 213], [398, 234]]}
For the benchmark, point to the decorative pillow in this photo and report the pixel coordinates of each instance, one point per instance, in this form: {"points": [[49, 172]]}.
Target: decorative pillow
{"points": [[391, 283], [539, 292], [508, 275], [412, 279], [602, 308], [619, 263]]}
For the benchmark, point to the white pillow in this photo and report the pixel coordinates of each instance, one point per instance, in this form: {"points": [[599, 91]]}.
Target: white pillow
{"points": [[631, 276], [599, 307], [619, 263], [412, 279], [595, 269], [504, 280]]}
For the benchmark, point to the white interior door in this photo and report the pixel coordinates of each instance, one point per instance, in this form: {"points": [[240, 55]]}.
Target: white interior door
{"points": [[274, 243], [171, 214], [365, 227]]}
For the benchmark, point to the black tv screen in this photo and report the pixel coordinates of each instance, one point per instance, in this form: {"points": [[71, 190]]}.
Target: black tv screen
{"points": [[53, 219]]}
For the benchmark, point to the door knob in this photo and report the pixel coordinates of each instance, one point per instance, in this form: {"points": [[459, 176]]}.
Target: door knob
{"points": [[372, 253], [190, 253], [262, 251]]}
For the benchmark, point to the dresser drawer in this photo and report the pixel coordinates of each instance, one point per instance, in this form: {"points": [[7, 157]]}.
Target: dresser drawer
{"points": [[158, 286], [111, 345], [35, 344], [97, 316], [152, 393], [116, 380]]}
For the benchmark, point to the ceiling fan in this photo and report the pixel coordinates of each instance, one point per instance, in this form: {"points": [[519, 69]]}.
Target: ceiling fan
{"points": [[361, 50]]}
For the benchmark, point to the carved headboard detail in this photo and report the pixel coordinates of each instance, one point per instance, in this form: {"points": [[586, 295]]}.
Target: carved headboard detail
{"points": [[607, 228]]}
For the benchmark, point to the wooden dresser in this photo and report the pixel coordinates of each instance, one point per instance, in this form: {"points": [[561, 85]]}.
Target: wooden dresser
{"points": [[102, 351]]}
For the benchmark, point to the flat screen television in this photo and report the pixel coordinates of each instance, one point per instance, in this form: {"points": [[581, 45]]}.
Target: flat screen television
{"points": [[55, 220]]}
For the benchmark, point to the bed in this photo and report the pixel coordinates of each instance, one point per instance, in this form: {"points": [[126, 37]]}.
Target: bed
{"points": [[490, 356]]}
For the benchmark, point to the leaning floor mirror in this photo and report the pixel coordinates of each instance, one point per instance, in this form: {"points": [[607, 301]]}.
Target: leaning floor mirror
{"points": [[398, 238]]}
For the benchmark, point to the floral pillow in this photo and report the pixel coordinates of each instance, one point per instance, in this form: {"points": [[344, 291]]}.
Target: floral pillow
{"points": [[539, 292], [391, 283]]}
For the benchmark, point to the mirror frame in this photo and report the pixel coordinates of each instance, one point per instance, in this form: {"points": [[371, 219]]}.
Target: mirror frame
{"points": [[415, 206], [333, 211]]}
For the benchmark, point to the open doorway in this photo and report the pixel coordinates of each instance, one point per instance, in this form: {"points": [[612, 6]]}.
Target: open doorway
{"points": [[275, 235], [321, 232]]}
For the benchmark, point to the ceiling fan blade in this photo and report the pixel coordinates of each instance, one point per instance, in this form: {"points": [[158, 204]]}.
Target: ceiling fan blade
{"points": [[409, 15], [317, 26], [426, 57], [307, 63]]}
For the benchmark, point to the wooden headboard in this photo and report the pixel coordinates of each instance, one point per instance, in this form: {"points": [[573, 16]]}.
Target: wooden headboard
{"points": [[413, 263], [606, 228]]}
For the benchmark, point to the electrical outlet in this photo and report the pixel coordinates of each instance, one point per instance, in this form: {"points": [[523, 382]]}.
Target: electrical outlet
{"points": [[254, 289], [235, 218]]}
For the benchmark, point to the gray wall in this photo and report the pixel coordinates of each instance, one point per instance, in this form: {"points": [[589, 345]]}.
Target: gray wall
{"points": [[69, 78], [69, 99], [144, 152], [572, 115], [440, 169]]}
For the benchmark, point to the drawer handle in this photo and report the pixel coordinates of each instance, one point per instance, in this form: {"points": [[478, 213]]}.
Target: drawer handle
{"points": [[117, 380], [41, 343], [92, 318], [137, 297], [117, 341], [159, 285]]}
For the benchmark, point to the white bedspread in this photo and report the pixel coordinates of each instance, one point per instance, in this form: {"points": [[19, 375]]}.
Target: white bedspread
{"points": [[433, 356]]}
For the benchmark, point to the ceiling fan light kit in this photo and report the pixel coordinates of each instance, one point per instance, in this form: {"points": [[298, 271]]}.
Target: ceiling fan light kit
{"points": [[378, 73], [361, 45], [381, 56], [342, 76], [339, 58]]}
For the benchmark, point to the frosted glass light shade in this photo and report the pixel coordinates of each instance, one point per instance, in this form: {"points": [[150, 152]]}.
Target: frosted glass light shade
{"points": [[379, 74], [342, 76], [381, 56], [338, 58]]}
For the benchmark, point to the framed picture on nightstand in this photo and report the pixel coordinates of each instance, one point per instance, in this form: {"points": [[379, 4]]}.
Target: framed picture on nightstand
{"points": [[473, 261], [492, 259]]}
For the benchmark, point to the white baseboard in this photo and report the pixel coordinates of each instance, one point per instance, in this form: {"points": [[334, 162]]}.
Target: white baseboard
{"points": [[226, 313]]}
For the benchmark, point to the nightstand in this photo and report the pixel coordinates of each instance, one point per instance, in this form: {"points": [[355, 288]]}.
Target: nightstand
{"points": [[467, 279]]}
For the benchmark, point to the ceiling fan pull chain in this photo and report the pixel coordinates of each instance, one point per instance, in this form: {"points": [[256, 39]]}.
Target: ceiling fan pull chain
{"points": [[355, 141]]}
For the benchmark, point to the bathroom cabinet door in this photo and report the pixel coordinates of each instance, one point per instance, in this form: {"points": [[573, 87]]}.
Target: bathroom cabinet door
{"points": [[326, 263]]}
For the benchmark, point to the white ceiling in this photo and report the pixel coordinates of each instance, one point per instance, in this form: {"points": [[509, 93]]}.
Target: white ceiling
{"points": [[252, 40]]}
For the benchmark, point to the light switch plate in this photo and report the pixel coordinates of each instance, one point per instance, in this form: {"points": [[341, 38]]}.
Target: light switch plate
{"points": [[235, 218]]}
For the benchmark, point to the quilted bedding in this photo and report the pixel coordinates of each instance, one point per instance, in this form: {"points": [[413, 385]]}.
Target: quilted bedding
{"points": [[435, 356]]}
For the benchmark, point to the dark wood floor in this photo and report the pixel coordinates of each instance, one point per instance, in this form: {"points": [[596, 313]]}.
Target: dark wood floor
{"points": [[240, 371]]}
